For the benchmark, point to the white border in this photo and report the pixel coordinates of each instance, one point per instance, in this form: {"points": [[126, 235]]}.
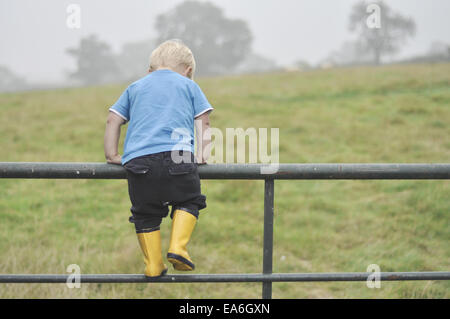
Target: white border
{"points": [[208, 109], [114, 111]]}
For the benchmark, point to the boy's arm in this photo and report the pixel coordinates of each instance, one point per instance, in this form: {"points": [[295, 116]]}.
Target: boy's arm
{"points": [[112, 135], [203, 136]]}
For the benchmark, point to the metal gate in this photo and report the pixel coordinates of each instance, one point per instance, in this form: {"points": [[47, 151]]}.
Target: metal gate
{"points": [[236, 171]]}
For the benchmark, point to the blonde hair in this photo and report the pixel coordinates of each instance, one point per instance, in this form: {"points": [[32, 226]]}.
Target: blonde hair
{"points": [[172, 54]]}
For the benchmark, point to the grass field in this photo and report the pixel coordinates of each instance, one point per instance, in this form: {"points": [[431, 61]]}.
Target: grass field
{"points": [[392, 114]]}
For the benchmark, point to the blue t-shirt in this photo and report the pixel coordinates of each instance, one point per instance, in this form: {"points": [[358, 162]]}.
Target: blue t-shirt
{"points": [[160, 108]]}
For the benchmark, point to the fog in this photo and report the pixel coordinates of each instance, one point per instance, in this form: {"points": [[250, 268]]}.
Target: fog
{"points": [[34, 34]]}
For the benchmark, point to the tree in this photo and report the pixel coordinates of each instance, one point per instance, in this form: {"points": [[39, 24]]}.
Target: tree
{"points": [[133, 60], [218, 43], [10, 81], [255, 63], [388, 38], [349, 54], [438, 48], [95, 61]]}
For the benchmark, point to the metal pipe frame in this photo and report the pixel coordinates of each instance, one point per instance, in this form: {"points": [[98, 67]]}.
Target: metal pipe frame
{"points": [[225, 278], [235, 171]]}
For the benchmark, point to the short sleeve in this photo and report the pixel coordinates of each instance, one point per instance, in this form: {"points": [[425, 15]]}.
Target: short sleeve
{"points": [[122, 106], [199, 101]]}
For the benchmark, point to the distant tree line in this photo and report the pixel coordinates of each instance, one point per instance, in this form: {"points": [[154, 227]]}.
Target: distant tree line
{"points": [[223, 45], [220, 45]]}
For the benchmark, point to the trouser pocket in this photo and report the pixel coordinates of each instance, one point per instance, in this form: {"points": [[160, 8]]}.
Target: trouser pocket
{"points": [[138, 166], [182, 168]]}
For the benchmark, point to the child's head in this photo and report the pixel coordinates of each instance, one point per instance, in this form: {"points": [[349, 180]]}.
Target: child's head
{"points": [[174, 55]]}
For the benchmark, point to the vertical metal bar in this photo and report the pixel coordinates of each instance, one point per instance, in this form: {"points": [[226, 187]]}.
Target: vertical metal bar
{"points": [[268, 236]]}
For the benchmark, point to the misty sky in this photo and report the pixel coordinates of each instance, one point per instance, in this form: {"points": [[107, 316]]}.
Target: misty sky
{"points": [[34, 34]]}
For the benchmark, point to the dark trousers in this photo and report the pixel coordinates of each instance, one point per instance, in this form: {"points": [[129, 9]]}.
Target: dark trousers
{"points": [[156, 181]]}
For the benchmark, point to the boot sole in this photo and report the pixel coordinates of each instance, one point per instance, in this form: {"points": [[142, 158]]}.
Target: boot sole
{"points": [[162, 274], [180, 263]]}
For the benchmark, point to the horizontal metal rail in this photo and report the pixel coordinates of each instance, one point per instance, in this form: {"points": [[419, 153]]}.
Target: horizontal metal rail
{"points": [[235, 171], [305, 277]]}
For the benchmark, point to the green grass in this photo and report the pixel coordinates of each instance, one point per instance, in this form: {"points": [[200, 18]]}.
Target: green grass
{"points": [[395, 114]]}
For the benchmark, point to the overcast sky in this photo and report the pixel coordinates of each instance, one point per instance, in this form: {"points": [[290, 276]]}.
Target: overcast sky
{"points": [[34, 34]]}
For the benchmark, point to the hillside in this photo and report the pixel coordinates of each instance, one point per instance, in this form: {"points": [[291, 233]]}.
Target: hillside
{"points": [[394, 114]]}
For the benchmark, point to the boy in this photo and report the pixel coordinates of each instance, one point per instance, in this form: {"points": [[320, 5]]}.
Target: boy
{"points": [[159, 161]]}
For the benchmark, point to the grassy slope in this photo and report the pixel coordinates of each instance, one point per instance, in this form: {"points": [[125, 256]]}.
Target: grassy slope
{"points": [[388, 114]]}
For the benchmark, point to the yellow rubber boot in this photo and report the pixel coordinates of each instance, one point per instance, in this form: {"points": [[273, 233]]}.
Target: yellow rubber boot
{"points": [[182, 227], [151, 247]]}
